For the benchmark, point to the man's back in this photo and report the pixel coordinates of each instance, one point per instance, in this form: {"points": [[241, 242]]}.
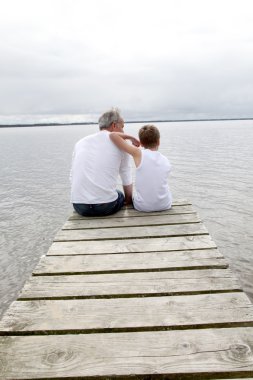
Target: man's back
{"points": [[95, 168]]}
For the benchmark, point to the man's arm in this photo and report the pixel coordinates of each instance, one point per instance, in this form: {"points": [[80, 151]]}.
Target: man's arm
{"points": [[119, 140], [128, 190]]}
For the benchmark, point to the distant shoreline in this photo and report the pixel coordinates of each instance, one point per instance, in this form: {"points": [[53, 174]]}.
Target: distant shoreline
{"points": [[126, 122]]}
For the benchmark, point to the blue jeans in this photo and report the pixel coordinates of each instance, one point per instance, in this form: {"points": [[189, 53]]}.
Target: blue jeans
{"points": [[100, 209]]}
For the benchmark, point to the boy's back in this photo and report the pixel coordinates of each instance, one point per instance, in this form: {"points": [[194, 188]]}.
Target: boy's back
{"points": [[152, 190], [152, 169]]}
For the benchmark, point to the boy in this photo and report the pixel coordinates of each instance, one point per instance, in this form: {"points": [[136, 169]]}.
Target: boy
{"points": [[152, 169]]}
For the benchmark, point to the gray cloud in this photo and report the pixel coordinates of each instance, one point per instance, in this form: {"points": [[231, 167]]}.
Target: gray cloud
{"points": [[161, 64]]}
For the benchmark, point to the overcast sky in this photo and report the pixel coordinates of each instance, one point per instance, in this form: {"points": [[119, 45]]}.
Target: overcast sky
{"points": [[151, 58]]}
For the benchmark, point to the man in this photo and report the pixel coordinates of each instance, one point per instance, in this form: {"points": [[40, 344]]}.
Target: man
{"points": [[96, 164]]}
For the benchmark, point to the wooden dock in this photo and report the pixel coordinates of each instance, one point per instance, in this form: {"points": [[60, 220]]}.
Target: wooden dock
{"points": [[132, 295]]}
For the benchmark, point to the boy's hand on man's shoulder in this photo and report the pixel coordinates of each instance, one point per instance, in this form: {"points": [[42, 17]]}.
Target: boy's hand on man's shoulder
{"points": [[135, 142]]}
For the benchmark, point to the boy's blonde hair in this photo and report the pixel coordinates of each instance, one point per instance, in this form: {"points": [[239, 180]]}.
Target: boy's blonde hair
{"points": [[149, 136]]}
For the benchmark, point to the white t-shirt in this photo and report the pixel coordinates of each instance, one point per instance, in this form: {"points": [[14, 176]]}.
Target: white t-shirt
{"points": [[152, 191], [96, 164]]}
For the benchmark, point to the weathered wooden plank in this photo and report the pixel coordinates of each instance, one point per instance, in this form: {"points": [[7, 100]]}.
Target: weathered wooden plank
{"points": [[226, 352], [131, 221], [131, 232], [127, 211], [126, 284], [141, 261], [127, 314], [132, 245]]}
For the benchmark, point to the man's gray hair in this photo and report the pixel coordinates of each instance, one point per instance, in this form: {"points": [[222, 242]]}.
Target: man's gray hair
{"points": [[109, 117]]}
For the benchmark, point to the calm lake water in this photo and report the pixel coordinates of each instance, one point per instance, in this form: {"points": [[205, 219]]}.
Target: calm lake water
{"points": [[212, 167]]}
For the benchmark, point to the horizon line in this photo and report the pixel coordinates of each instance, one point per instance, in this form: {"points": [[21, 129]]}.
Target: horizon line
{"points": [[126, 122]]}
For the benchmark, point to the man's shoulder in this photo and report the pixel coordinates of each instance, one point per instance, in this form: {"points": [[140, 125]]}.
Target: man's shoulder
{"points": [[86, 139]]}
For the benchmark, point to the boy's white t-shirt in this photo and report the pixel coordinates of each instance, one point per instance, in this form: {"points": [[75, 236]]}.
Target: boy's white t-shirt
{"points": [[152, 191]]}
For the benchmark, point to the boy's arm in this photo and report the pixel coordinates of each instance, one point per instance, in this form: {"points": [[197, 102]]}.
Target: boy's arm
{"points": [[119, 140]]}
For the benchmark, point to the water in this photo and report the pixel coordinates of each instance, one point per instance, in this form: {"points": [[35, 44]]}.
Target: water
{"points": [[212, 167]]}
